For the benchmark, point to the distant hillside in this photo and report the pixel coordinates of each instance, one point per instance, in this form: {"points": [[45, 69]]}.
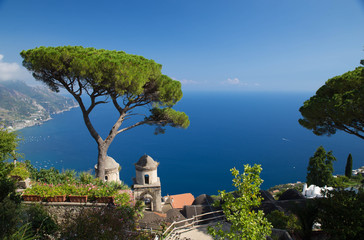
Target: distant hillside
{"points": [[22, 105]]}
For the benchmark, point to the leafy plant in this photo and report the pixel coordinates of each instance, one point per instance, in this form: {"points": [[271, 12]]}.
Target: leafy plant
{"points": [[246, 223], [280, 220], [102, 223], [9, 217], [86, 178], [341, 214], [9, 199], [21, 234], [37, 188], [122, 199], [41, 223], [21, 171], [104, 191], [307, 215]]}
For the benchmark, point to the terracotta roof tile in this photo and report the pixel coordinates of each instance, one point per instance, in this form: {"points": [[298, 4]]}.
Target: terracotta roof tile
{"points": [[180, 200]]}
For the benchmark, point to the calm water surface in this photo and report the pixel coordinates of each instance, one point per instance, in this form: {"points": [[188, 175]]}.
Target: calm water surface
{"points": [[227, 130]]}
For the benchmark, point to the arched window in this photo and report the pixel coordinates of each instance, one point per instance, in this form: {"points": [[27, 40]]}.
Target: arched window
{"points": [[146, 179], [105, 178]]}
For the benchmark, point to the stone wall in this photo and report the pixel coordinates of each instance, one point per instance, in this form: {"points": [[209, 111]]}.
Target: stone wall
{"points": [[58, 210]]}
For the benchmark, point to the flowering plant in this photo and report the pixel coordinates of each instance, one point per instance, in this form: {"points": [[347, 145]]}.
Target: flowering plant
{"points": [[37, 188], [122, 198], [104, 191]]}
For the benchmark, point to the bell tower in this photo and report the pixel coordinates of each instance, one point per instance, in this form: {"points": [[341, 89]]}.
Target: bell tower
{"points": [[147, 185]]}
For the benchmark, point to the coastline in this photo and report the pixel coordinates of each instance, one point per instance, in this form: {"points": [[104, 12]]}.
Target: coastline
{"points": [[30, 123]]}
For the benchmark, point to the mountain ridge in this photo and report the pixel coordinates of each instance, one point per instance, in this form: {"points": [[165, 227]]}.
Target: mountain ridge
{"points": [[22, 105]]}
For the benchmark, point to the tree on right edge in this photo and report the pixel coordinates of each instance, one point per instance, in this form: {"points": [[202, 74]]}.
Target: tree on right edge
{"points": [[337, 105], [246, 223], [320, 168]]}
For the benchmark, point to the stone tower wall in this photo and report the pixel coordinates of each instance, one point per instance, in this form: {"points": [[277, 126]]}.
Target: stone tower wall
{"points": [[153, 178]]}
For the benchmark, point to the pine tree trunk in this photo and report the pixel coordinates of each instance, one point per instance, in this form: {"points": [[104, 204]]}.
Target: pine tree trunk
{"points": [[101, 161]]}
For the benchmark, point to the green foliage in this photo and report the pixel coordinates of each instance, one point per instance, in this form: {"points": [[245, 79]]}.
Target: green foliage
{"points": [[341, 214], [246, 223], [349, 166], [122, 199], [345, 182], [307, 215], [280, 220], [9, 200], [52, 175], [337, 105], [86, 178], [9, 216], [55, 177], [168, 116], [8, 144], [102, 223], [13, 221], [51, 182], [320, 168], [41, 223], [21, 171], [22, 233]]}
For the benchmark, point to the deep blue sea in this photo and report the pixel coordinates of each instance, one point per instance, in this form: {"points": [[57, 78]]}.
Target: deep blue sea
{"points": [[227, 130]]}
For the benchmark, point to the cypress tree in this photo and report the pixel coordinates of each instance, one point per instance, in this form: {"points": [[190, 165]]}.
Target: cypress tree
{"points": [[320, 168], [349, 166]]}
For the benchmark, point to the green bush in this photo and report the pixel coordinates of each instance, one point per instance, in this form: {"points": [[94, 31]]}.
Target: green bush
{"points": [[306, 215], [340, 182], [55, 177], [21, 171], [102, 223], [280, 220], [41, 223], [9, 217], [22, 233], [341, 214], [86, 178], [122, 199]]}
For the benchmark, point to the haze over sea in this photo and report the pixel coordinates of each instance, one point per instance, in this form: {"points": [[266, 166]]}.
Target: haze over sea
{"points": [[227, 129]]}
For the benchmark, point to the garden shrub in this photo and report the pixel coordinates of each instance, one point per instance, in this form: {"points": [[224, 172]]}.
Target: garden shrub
{"points": [[41, 223], [341, 214], [306, 215], [102, 223], [9, 217], [55, 177], [280, 220], [9, 202], [21, 171]]}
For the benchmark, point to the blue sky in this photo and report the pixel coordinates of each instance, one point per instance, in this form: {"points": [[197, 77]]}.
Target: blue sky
{"points": [[239, 45]]}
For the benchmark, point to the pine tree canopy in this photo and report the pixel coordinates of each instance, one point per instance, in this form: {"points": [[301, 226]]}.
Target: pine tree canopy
{"points": [[337, 105]]}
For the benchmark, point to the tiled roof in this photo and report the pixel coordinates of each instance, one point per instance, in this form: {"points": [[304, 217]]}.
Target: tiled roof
{"points": [[180, 200]]}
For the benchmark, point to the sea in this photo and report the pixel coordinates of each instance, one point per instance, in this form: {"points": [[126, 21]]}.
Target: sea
{"points": [[228, 129]]}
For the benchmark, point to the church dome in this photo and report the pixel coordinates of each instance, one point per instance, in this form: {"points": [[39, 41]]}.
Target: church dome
{"points": [[146, 163], [110, 163]]}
